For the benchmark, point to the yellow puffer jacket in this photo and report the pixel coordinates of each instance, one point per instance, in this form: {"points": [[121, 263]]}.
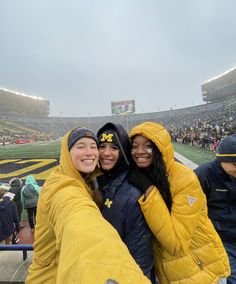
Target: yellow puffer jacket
{"points": [[73, 242], [187, 247]]}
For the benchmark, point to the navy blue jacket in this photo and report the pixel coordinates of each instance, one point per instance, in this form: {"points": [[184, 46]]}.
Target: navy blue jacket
{"points": [[220, 190], [8, 218], [122, 210]]}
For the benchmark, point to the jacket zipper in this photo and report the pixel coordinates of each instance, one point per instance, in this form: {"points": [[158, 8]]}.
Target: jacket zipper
{"points": [[197, 260]]}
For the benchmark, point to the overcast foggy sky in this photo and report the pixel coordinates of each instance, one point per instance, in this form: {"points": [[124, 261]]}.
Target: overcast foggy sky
{"points": [[81, 55]]}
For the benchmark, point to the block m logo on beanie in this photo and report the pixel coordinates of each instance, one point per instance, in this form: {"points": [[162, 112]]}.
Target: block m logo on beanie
{"points": [[107, 137]]}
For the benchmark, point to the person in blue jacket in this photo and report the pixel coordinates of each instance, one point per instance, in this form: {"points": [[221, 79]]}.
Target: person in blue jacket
{"points": [[120, 205], [218, 181], [9, 221]]}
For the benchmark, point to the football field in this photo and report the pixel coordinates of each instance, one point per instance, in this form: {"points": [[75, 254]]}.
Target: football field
{"points": [[194, 154], [51, 150], [39, 159]]}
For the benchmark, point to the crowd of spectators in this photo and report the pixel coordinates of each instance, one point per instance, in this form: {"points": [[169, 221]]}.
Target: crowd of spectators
{"points": [[207, 127], [197, 125]]}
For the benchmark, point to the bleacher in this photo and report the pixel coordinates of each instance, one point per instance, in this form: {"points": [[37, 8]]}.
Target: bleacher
{"points": [[217, 112]]}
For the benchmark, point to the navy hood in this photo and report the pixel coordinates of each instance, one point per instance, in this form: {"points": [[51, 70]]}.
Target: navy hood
{"points": [[121, 139]]}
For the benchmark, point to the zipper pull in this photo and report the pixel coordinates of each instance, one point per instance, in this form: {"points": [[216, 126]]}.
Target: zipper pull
{"points": [[200, 264]]}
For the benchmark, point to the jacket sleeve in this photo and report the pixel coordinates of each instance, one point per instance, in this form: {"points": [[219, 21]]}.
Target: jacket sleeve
{"points": [[174, 231], [138, 237], [91, 250]]}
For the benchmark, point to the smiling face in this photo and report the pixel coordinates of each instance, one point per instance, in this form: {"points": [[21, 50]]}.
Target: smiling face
{"points": [[142, 151], [229, 168], [84, 155], [108, 155]]}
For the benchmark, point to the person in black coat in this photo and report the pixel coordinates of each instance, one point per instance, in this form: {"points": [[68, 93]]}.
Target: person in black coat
{"points": [[120, 205], [16, 185], [218, 181]]}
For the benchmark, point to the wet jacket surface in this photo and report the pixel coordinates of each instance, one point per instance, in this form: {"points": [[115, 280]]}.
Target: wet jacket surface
{"points": [[30, 193], [73, 242], [9, 220], [122, 210], [220, 190], [187, 247]]}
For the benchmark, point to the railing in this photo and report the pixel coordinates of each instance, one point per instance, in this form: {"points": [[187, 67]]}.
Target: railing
{"points": [[24, 248]]}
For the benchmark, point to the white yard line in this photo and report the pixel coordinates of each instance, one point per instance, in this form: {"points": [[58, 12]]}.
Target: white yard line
{"points": [[185, 161]]}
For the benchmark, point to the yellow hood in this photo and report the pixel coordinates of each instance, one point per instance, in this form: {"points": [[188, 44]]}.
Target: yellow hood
{"points": [[159, 136]]}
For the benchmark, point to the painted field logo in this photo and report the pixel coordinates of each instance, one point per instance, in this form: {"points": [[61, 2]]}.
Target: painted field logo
{"points": [[39, 168]]}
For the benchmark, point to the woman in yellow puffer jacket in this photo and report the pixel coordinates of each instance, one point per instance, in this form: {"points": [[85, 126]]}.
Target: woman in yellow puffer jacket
{"points": [[187, 248], [73, 242]]}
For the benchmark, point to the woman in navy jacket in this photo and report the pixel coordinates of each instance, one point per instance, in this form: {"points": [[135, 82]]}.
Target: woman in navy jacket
{"points": [[120, 199], [9, 221]]}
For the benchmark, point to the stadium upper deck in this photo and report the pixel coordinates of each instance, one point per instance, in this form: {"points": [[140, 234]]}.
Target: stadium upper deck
{"points": [[220, 87], [21, 105]]}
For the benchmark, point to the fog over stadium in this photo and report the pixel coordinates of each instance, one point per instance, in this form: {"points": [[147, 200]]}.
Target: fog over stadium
{"points": [[82, 55]]}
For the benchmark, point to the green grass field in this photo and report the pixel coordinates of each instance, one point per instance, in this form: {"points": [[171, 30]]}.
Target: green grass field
{"points": [[194, 154], [37, 150], [52, 150]]}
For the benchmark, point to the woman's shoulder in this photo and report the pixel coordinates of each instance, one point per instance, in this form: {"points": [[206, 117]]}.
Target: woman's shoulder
{"points": [[183, 176], [179, 169]]}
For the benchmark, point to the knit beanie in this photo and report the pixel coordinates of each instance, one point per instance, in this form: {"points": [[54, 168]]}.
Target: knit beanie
{"points": [[79, 133], [226, 151], [109, 136]]}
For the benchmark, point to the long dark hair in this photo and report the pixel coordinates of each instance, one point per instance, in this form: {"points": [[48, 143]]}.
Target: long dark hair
{"points": [[159, 176]]}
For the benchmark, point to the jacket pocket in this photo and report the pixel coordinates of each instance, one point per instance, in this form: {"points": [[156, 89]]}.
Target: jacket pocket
{"points": [[196, 260]]}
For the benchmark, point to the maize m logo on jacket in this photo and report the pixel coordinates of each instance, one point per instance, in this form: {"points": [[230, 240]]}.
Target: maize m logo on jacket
{"points": [[39, 168]]}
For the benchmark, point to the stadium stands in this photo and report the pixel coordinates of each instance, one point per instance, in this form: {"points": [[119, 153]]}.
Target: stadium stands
{"points": [[222, 114], [26, 117]]}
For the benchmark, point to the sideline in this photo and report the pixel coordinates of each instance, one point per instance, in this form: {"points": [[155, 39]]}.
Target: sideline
{"points": [[185, 161]]}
